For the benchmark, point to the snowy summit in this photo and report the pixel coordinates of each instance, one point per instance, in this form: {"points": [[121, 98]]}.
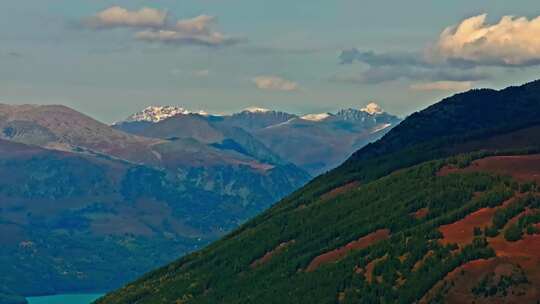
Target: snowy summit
{"points": [[159, 113], [316, 117], [372, 109], [256, 110]]}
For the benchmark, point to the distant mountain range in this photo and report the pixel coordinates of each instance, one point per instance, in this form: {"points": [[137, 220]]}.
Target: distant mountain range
{"points": [[445, 208], [85, 206], [325, 139]]}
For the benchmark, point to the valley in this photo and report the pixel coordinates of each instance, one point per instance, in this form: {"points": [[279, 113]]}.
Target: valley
{"points": [[87, 207]]}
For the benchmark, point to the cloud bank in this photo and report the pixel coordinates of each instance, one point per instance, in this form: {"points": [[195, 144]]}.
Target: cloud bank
{"points": [[158, 26], [459, 56], [384, 67], [191, 31], [510, 42], [274, 83]]}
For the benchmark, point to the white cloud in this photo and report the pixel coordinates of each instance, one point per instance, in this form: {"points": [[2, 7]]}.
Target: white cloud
{"points": [[511, 42], [197, 30], [275, 83], [157, 26], [197, 25], [454, 86], [117, 16]]}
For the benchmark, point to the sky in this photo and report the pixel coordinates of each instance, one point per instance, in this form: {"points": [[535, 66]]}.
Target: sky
{"points": [[109, 59]]}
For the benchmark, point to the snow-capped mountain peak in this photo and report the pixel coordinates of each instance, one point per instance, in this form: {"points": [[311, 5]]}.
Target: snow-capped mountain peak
{"points": [[316, 117], [381, 127], [159, 113], [256, 110], [372, 109]]}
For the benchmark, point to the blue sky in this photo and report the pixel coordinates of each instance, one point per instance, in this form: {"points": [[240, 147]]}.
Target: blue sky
{"points": [[276, 54]]}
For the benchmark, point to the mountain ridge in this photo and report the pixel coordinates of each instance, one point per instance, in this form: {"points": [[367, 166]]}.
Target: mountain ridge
{"points": [[330, 138], [157, 113]]}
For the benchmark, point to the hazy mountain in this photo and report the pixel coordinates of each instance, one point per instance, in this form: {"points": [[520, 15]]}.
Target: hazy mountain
{"points": [[320, 142], [257, 118], [85, 206], [445, 208], [206, 130], [326, 139], [62, 128]]}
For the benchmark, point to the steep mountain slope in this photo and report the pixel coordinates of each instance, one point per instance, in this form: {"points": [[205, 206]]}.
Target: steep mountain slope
{"points": [[443, 209], [460, 123], [79, 198]]}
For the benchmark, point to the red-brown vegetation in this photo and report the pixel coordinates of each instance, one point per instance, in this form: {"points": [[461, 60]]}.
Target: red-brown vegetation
{"points": [[340, 253], [522, 256], [458, 285], [420, 213], [462, 231], [448, 169], [420, 262], [369, 269], [268, 256], [340, 190], [529, 246], [521, 167]]}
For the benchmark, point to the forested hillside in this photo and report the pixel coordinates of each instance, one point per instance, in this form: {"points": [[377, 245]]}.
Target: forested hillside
{"points": [[444, 208]]}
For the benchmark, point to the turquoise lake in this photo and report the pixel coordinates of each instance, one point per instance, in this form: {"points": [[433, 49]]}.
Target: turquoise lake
{"points": [[65, 299]]}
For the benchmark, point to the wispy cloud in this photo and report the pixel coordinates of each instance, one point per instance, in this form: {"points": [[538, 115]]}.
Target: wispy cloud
{"points": [[195, 73], [14, 54], [383, 59], [454, 86], [383, 67], [202, 73], [158, 26], [399, 71], [275, 83]]}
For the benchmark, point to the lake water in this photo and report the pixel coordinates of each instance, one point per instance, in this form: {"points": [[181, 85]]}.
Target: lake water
{"points": [[65, 299]]}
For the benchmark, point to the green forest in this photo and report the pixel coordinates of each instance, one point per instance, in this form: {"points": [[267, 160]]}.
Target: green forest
{"points": [[222, 274]]}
